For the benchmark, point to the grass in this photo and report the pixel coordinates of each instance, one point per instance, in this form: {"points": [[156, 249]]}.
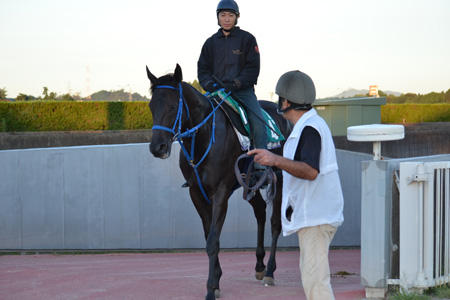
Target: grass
{"points": [[434, 293], [440, 292]]}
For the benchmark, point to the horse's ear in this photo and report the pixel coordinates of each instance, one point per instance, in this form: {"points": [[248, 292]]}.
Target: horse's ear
{"points": [[150, 75], [178, 75]]}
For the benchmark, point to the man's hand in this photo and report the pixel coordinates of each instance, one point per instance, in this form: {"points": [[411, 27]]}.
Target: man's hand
{"points": [[296, 168], [211, 87], [231, 87], [264, 157]]}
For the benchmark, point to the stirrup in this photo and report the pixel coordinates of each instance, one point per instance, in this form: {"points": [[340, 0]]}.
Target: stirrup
{"points": [[256, 176]]}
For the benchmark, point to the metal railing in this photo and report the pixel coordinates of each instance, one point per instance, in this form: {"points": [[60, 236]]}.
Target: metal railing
{"points": [[424, 225]]}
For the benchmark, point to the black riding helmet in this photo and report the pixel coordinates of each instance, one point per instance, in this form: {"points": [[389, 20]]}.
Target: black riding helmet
{"points": [[227, 5]]}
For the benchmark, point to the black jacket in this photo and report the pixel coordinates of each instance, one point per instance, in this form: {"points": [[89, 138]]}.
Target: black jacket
{"points": [[231, 58]]}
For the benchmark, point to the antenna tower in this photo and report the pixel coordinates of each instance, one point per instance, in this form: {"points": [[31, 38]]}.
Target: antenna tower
{"points": [[88, 84]]}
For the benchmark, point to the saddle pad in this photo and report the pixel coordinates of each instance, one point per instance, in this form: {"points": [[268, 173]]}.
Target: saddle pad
{"points": [[273, 133]]}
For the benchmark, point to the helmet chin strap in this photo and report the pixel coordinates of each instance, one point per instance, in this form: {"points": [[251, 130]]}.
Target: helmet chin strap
{"points": [[282, 111], [292, 106]]}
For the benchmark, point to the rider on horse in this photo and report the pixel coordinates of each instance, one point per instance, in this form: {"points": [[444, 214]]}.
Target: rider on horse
{"points": [[231, 56]]}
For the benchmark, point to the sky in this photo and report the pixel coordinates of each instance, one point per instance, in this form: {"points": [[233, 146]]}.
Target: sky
{"points": [[86, 46]]}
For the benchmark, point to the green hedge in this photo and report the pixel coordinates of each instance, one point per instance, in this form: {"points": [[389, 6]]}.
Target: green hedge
{"points": [[67, 116], [415, 113]]}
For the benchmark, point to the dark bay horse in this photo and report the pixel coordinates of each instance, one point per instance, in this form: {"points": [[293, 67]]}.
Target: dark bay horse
{"points": [[180, 112]]}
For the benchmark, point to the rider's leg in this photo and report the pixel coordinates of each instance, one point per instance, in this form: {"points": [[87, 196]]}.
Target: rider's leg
{"points": [[255, 117]]}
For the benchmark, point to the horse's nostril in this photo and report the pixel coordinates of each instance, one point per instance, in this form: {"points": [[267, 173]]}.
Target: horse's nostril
{"points": [[162, 148], [158, 150]]}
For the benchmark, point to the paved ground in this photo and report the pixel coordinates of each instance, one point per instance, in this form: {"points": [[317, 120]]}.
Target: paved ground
{"points": [[163, 276]]}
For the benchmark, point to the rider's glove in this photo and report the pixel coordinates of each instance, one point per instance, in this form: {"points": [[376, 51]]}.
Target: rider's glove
{"points": [[231, 87], [211, 87]]}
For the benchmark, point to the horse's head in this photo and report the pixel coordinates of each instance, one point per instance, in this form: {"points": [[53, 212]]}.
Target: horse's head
{"points": [[166, 111]]}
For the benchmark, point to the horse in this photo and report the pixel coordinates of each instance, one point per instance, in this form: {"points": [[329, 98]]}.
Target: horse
{"points": [[182, 113]]}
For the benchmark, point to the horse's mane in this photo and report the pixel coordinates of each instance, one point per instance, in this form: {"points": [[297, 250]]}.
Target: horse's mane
{"points": [[196, 91]]}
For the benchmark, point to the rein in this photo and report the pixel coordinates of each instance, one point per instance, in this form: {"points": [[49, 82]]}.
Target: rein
{"points": [[178, 135], [249, 191]]}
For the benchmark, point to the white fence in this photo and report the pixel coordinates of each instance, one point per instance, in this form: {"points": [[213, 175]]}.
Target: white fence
{"points": [[390, 233], [424, 224], [121, 197]]}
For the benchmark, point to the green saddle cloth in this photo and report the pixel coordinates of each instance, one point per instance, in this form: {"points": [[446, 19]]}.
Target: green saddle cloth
{"points": [[274, 135]]}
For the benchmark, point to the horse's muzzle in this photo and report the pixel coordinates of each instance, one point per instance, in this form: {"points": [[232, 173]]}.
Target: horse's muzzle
{"points": [[160, 150]]}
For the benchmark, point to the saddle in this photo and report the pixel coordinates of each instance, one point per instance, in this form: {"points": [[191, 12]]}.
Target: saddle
{"points": [[238, 118]]}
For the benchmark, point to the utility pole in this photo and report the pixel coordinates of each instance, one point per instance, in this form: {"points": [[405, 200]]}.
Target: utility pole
{"points": [[88, 84]]}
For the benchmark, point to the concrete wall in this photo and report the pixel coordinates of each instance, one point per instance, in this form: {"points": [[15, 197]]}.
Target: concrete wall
{"points": [[421, 139], [50, 139], [120, 197]]}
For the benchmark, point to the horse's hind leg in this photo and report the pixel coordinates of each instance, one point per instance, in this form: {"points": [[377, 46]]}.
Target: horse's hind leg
{"points": [[275, 221], [259, 209]]}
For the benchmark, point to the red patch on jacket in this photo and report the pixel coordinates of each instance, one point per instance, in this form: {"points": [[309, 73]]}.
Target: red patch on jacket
{"points": [[256, 49]]}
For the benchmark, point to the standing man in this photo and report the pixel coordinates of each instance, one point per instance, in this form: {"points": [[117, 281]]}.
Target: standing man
{"points": [[232, 56], [312, 204]]}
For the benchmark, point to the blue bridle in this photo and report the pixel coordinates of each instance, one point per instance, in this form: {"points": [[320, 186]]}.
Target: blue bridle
{"points": [[178, 135]]}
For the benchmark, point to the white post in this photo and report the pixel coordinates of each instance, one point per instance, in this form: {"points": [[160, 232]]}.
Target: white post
{"points": [[377, 150]]}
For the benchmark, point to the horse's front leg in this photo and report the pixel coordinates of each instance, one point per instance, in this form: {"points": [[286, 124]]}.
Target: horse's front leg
{"points": [[220, 207], [259, 209]]}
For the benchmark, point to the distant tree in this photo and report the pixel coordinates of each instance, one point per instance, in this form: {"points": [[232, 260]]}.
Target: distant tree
{"points": [[119, 95], [24, 97], [52, 96], [101, 95], [45, 92], [407, 98], [381, 93], [3, 94], [197, 86], [138, 97], [433, 98], [49, 97], [66, 97], [430, 98]]}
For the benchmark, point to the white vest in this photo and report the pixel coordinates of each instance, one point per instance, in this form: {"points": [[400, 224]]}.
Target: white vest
{"points": [[315, 202]]}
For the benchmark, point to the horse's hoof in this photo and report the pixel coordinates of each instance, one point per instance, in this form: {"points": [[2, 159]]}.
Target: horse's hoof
{"points": [[216, 295], [260, 275], [268, 281]]}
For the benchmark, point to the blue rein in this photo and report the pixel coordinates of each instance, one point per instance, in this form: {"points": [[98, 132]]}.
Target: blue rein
{"points": [[178, 135]]}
